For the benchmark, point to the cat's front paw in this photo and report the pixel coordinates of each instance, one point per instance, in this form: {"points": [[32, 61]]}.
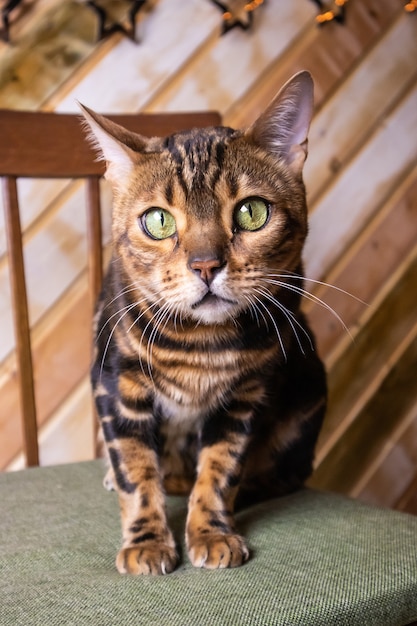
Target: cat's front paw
{"points": [[218, 550], [153, 558]]}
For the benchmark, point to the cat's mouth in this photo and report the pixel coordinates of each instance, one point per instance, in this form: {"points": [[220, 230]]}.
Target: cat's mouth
{"points": [[212, 300], [213, 309]]}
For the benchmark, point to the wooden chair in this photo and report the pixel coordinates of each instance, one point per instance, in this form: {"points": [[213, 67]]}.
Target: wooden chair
{"points": [[49, 145], [319, 559]]}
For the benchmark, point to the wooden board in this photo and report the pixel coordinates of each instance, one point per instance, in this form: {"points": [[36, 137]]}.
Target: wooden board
{"points": [[363, 269], [55, 251], [224, 72], [367, 371], [45, 50], [72, 425], [328, 53], [379, 484], [355, 451], [139, 71], [356, 193], [360, 105]]}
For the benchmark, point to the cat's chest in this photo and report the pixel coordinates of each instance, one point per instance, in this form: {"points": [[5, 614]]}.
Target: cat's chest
{"points": [[185, 394], [187, 389], [177, 415]]}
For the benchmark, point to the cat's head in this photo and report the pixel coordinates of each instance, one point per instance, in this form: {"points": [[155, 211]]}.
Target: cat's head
{"points": [[202, 218]]}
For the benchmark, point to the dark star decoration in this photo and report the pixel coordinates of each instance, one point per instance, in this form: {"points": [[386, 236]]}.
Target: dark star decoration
{"points": [[107, 27], [5, 18], [237, 13], [331, 11]]}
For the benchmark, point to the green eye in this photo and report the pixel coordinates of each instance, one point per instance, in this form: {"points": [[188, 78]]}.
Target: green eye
{"points": [[252, 214], [159, 223]]}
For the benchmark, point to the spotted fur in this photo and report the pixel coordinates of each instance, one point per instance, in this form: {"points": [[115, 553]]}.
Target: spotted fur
{"points": [[205, 375]]}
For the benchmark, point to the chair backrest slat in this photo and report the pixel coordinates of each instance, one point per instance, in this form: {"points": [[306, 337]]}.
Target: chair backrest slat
{"points": [[43, 144], [52, 145], [95, 260], [21, 318], [94, 234]]}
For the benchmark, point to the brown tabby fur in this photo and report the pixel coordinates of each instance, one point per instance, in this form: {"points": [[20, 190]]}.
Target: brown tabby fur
{"points": [[205, 375]]}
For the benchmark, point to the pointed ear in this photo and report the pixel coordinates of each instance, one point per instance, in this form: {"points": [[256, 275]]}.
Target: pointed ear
{"points": [[115, 145], [282, 129]]}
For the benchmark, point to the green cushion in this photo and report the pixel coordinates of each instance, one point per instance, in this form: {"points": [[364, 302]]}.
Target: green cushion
{"points": [[317, 559]]}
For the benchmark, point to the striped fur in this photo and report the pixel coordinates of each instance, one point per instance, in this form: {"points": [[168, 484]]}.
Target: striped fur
{"points": [[205, 376]]}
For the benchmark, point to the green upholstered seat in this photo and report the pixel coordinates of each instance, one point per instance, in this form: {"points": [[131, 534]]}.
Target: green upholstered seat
{"points": [[317, 559]]}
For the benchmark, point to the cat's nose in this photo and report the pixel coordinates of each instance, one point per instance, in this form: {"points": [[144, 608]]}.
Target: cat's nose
{"points": [[205, 268]]}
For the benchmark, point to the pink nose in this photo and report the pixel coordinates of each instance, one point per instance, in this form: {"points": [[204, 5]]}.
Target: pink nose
{"points": [[206, 268]]}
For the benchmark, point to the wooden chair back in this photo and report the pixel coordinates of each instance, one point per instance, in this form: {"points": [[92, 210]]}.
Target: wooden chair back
{"points": [[52, 145]]}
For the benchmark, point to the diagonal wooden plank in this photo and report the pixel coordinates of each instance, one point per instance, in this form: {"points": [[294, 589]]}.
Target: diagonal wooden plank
{"points": [[394, 468], [362, 187], [220, 76], [360, 104], [363, 269], [61, 354], [351, 455], [55, 255], [68, 437], [138, 72], [48, 48], [388, 331], [330, 54]]}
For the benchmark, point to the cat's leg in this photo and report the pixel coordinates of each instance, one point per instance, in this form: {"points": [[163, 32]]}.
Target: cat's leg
{"points": [[282, 450], [212, 540], [148, 545]]}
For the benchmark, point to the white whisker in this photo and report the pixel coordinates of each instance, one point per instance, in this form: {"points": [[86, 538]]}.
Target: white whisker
{"points": [[126, 311], [263, 305], [253, 309], [122, 292], [164, 312], [150, 341], [292, 320], [289, 274], [142, 312], [312, 298]]}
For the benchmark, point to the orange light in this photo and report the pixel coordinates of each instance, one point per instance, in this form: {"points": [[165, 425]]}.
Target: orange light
{"points": [[328, 16], [251, 6]]}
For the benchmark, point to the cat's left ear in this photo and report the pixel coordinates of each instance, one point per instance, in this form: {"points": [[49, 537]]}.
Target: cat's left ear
{"points": [[116, 145], [283, 128]]}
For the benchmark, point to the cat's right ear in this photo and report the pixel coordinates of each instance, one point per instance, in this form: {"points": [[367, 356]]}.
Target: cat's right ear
{"points": [[112, 144]]}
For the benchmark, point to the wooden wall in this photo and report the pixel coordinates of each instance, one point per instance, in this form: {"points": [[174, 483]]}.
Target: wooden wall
{"points": [[361, 177]]}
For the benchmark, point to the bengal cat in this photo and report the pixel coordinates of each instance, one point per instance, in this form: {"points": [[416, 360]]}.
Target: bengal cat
{"points": [[205, 375]]}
